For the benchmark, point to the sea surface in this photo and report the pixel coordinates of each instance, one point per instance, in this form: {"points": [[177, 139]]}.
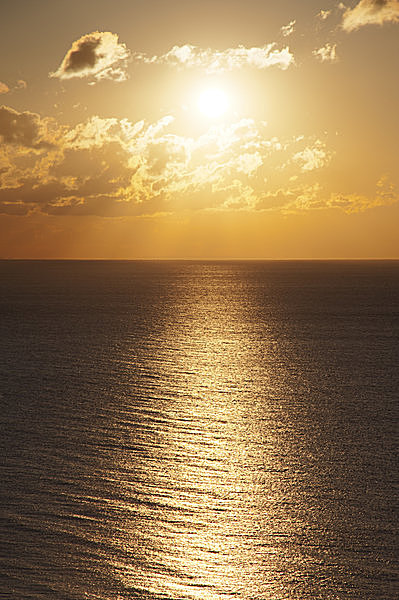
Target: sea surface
{"points": [[199, 430]]}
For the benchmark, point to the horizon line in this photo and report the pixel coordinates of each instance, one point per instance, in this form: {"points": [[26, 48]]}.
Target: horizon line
{"points": [[179, 259]]}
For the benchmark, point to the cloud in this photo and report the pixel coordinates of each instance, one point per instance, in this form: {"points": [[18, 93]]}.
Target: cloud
{"points": [[20, 85], [327, 53], [275, 200], [311, 158], [110, 168], [314, 197], [355, 203], [223, 60], [23, 129], [287, 30], [371, 12], [324, 14], [97, 55]]}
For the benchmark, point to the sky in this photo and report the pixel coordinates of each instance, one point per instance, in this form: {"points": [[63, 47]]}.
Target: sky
{"points": [[199, 129]]}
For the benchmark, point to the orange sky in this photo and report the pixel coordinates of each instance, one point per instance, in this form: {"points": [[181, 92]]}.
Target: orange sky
{"points": [[109, 150]]}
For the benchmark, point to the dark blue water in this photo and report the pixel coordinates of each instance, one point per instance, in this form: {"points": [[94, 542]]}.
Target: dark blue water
{"points": [[209, 430]]}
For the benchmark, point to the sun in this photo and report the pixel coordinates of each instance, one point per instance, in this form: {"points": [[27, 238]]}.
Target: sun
{"points": [[213, 102]]}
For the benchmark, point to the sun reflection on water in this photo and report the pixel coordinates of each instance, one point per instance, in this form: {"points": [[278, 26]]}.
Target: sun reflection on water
{"points": [[209, 496]]}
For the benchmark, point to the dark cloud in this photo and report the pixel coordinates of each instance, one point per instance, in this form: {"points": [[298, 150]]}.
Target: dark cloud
{"points": [[98, 55], [13, 208], [24, 129], [84, 56], [31, 193], [105, 206], [81, 181], [55, 198]]}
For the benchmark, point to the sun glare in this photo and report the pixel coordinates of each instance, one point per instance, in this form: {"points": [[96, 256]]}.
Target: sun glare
{"points": [[213, 103]]}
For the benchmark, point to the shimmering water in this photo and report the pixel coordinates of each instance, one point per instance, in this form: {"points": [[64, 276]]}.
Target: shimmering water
{"points": [[193, 430]]}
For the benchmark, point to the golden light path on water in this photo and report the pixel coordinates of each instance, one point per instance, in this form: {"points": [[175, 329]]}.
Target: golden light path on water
{"points": [[209, 506]]}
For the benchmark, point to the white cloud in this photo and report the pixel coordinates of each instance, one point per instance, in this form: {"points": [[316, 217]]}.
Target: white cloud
{"points": [[311, 158], [371, 12], [287, 30], [223, 60], [97, 55], [327, 53]]}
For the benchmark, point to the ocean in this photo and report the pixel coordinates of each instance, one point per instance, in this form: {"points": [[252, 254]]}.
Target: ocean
{"points": [[199, 430]]}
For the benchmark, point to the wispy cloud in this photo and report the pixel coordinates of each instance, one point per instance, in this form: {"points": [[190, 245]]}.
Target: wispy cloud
{"points": [[327, 53], [324, 14], [315, 197], [371, 12], [287, 30], [314, 157], [20, 85], [97, 55], [223, 60]]}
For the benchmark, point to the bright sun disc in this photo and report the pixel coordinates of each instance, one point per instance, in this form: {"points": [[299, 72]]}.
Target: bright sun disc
{"points": [[213, 103]]}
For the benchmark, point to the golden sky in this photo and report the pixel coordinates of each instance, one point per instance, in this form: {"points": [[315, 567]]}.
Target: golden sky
{"points": [[199, 129]]}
